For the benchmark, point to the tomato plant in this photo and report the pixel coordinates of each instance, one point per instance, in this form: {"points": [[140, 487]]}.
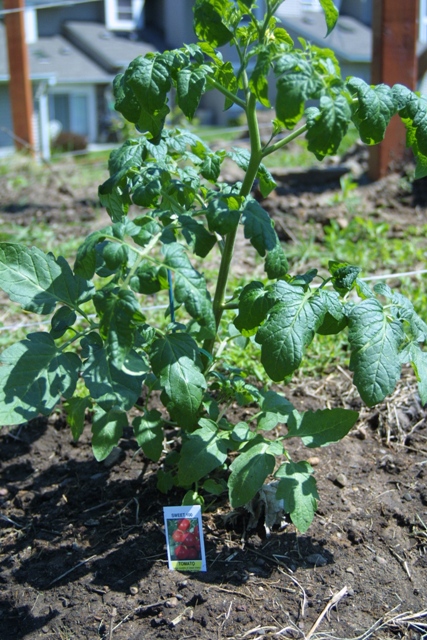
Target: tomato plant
{"points": [[169, 211]]}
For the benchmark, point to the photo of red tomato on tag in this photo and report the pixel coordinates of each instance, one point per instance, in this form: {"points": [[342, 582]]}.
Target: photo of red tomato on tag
{"points": [[184, 542]]}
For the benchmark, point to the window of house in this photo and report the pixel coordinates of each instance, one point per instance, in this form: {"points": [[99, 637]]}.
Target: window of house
{"points": [[123, 15], [71, 110]]}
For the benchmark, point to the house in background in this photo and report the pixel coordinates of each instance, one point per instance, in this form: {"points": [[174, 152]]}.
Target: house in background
{"points": [[76, 48]]}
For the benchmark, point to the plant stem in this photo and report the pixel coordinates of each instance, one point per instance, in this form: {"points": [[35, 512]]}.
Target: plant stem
{"points": [[284, 141], [227, 254]]}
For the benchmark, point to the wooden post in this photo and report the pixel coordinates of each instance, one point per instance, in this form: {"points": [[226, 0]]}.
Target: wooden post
{"points": [[20, 90], [395, 35]]}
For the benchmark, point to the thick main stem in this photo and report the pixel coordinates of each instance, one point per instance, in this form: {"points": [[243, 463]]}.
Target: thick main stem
{"points": [[227, 254]]}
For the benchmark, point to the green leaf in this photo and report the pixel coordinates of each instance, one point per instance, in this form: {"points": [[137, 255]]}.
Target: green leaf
{"points": [[119, 313], [197, 236], [107, 429], [335, 319], [176, 362], [202, 452], [413, 112], [148, 430], [190, 287], [248, 473], [418, 359], [259, 227], [221, 218], [276, 263], [61, 321], [344, 276], [211, 166], [254, 305], [210, 21], [85, 263], [297, 488], [190, 87], [37, 281], [331, 14], [298, 84], [275, 409], [75, 409], [258, 82], [267, 184], [149, 78], [320, 428], [327, 125], [374, 340], [34, 376], [373, 111], [213, 487], [289, 328], [132, 153], [108, 385]]}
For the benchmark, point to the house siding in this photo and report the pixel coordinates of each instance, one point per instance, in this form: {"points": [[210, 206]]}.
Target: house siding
{"points": [[50, 19]]}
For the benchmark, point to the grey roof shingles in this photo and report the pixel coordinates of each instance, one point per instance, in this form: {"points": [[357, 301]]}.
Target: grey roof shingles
{"points": [[57, 58], [351, 40], [111, 51]]}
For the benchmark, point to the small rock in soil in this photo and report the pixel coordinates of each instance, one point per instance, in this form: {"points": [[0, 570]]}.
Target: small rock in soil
{"points": [[341, 480], [317, 559]]}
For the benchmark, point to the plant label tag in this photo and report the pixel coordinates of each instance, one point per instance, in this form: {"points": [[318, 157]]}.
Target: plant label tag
{"points": [[184, 538]]}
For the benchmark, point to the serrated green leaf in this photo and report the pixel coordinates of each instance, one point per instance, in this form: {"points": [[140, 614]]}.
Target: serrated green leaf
{"points": [[275, 409], [276, 263], [375, 341], [197, 236], [267, 184], [119, 315], [190, 287], [344, 276], [320, 428], [258, 82], [327, 125], [418, 359], [211, 166], [298, 84], [190, 87], [107, 429], [289, 328], [148, 430], [224, 74], [248, 473], [34, 376], [176, 362], [85, 263], [213, 487], [258, 227], [132, 153], [373, 111], [254, 305], [149, 79], [413, 111], [297, 488], [221, 218], [61, 321], [75, 410], [149, 280], [210, 21], [331, 14], [37, 281], [202, 452], [335, 319], [108, 385]]}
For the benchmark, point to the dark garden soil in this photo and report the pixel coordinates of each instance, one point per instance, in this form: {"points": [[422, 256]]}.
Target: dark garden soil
{"points": [[82, 551]]}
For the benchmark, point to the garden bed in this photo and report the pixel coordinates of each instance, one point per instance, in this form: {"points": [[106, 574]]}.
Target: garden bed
{"points": [[82, 543]]}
